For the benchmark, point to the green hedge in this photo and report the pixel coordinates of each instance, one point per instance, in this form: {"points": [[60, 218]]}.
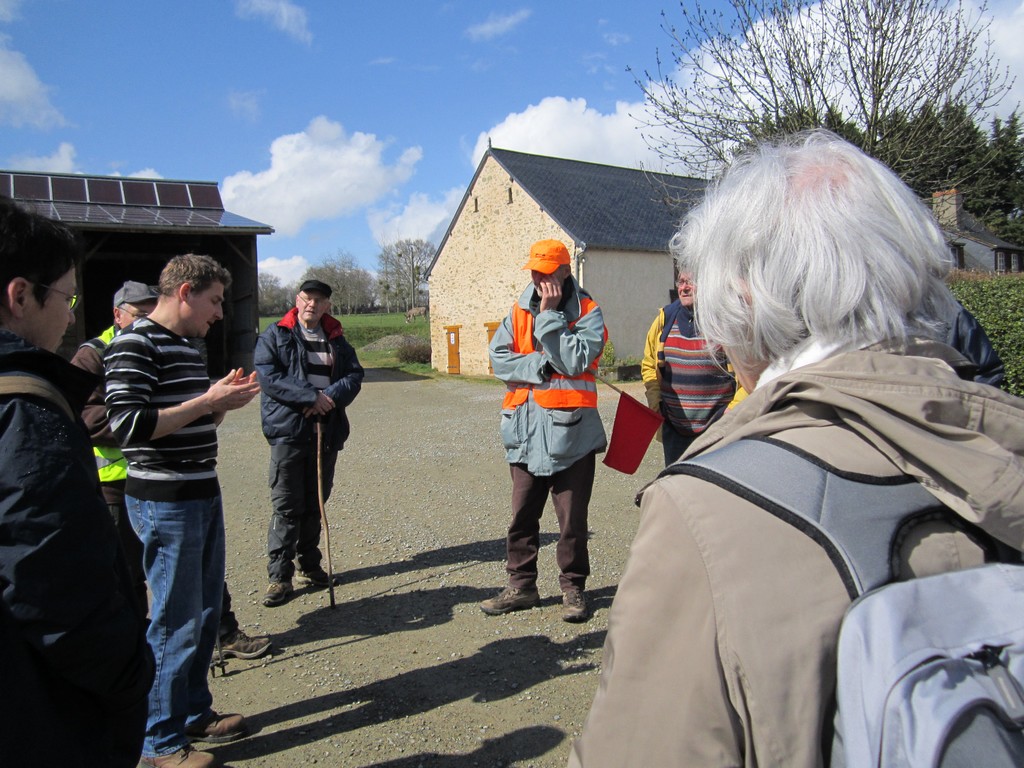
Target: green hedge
{"points": [[998, 303]]}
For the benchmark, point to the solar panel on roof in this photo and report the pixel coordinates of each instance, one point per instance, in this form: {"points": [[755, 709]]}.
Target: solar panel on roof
{"points": [[112, 201], [105, 191], [31, 187], [205, 196], [139, 192], [70, 188], [172, 194]]}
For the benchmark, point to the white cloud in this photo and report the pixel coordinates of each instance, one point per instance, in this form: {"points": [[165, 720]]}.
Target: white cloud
{"points": [[422, 218], [1007, 32], [288, 271], [146, 173], [497, 25], [286, 16], [568, 128], [24, 100], [246, 104], [61, 161], [9, 10], [321, 173], [615, 39]]}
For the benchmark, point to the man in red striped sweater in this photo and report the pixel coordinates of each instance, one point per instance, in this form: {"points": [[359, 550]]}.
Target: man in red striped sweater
{"points": [[685, 380]]}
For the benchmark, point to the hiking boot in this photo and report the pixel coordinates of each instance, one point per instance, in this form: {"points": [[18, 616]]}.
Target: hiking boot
{"points": [[510, 599], [186, 757], [277, 593], [218, 729], [241, 646], [316, 578], [574, 606]]}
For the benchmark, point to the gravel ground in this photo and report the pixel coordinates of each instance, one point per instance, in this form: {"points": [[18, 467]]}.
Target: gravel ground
{"points": [[405, 670]]}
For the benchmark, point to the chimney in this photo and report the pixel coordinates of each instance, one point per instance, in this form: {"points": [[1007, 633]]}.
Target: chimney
{"points": [[947, 206]]}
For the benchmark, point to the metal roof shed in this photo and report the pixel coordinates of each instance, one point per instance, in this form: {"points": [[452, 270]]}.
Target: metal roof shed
{"points": [[131, 228]]}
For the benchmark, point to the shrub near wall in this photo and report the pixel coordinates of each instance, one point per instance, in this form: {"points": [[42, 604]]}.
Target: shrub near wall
{"points": [[998, 304]]}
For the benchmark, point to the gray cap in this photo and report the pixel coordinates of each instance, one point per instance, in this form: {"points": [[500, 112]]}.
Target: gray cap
{"points": [[135, 293]]}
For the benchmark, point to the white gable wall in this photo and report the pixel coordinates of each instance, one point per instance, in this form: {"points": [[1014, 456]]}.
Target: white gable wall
{"points": [[630, 287]]}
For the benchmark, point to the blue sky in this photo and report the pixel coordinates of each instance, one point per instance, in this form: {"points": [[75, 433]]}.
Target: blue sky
{"points": [[342, 124]]}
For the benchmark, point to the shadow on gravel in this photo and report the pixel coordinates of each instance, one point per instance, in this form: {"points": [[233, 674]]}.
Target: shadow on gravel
{"points": [[390, 375], [377, 615], [474, 552], [498, 670], [522, 745]]}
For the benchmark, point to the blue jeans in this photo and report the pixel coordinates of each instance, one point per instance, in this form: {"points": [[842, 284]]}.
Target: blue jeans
{"points": [[183, 557]]}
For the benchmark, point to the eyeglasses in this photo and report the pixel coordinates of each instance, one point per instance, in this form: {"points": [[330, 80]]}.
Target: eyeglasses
{"points": [[136, 314], [313, 299], [70, 298]]}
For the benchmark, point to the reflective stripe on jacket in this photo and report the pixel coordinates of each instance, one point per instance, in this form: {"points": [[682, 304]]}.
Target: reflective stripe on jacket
{"points": [[111, 464], [559, 391]]}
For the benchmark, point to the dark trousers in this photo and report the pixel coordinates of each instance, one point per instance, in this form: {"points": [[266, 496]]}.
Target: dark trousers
{"points": [[294, 531], [131, 547], [673, 443], [570, 492]]}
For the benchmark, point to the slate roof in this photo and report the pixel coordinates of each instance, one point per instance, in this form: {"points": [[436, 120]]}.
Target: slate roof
{"points": [[122, 203], [599, 206], [604, 206]]}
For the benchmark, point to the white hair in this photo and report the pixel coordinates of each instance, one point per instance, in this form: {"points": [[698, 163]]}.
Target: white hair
{"points": [[809, 239]]}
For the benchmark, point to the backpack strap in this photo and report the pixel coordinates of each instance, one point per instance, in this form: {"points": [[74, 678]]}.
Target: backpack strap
{"points": [[856, 518], [23, 384]]}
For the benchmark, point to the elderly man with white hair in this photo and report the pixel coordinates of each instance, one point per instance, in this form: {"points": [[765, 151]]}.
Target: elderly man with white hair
{"points": [[821, 275]]}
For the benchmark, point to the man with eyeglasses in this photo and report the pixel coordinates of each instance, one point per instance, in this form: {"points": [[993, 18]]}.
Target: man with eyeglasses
{"points": [[308, 374], [74, 662], [685, 380]]}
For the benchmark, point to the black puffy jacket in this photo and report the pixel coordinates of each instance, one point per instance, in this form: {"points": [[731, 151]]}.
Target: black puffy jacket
{"points": [[280, 362], [75, 669]]}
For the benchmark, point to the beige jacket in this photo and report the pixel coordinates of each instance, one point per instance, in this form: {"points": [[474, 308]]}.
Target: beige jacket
{"points": [[721, 644]]}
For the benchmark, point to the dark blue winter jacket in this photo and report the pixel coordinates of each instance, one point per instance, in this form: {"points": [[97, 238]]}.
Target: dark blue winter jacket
{"points": [[75, 668], [285, 392]]}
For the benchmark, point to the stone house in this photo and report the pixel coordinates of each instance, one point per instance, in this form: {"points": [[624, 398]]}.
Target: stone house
{"points": [[972, 245], [616, 223]]}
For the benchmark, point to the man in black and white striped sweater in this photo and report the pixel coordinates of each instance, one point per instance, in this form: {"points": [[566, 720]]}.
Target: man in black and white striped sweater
{"points": [[164, 412]]}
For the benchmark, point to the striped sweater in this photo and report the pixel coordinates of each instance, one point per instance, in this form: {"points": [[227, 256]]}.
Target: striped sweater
{"points": [[148, 368]]}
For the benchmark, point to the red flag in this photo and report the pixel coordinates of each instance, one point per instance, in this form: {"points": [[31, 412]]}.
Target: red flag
{"points": [[632, 431]]}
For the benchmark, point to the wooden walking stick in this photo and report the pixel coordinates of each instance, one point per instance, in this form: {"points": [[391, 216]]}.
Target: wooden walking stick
{"points": [[323, 509]]}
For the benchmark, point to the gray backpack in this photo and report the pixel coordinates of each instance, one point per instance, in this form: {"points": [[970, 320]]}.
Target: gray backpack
{"points": [[930, 670]]}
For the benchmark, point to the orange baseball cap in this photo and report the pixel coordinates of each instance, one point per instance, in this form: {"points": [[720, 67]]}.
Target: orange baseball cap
{"points": [[547, 255]]}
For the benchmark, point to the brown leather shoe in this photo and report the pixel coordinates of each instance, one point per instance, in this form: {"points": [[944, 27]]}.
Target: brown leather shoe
{"points": [[277, 593], [186, 757], [574, 606], [242, 646], [510, 599], [218, 729]]}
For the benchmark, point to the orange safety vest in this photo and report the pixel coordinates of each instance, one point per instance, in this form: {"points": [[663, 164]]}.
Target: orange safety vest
{"points": [[559, 391]]}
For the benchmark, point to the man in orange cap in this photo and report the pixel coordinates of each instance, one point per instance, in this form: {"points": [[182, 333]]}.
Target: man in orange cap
{"points": [[546, 351]]}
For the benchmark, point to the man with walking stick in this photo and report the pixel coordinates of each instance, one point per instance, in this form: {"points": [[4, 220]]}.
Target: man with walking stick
{"points": [[308, 374]]}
